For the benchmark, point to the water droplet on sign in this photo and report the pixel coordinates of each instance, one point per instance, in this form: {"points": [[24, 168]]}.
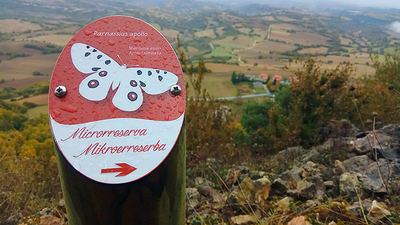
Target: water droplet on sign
{"points": [[111, 42], [88, 32]]}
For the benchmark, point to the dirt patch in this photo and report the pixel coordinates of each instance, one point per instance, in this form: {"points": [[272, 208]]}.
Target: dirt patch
{"points": [[38, 99], [56, 39], [205, 33], [22, 68], [13, 25], [21, 83], [268, 46], [321, 50]]}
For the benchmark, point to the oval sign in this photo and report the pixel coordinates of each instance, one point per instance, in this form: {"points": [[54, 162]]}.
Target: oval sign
{"points": [[112, 113]]}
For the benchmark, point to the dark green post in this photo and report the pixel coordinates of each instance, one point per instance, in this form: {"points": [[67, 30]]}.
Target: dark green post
{"points": [[156, 199]]}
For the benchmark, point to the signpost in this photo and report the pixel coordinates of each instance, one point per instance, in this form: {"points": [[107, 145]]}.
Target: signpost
{"points": [[116, 115]]}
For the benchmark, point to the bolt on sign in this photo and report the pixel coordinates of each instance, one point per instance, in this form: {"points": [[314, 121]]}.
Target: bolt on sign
{"points": [[117, 100]]}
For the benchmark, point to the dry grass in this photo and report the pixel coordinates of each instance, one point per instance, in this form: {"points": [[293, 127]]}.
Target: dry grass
{"points": [[56, 39], [22, 68], [21, 83], [205, 33], [300, 37], [14, 25], [219, 67], [267, 46], [320, 50], [240, 41], [38, 99], [217, 84], [35, 112], [170, 33]]}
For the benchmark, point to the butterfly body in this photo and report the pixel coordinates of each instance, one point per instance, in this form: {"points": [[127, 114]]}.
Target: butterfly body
{"points": [[105, 73]]}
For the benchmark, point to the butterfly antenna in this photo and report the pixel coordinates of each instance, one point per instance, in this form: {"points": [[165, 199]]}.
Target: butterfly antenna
{"points": [[122, 62]]}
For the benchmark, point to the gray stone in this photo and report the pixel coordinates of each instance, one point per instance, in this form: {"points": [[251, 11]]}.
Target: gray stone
{"points": [[305, 190], [370, 172], [329, 184], [192, 197], [373, 140], [202, 181], [262, 188], [284, 204], [279, 187], [348, 184], [243, 220]]}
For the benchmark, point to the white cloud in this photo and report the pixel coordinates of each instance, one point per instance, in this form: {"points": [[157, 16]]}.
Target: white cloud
{"points": [[395, 26]]}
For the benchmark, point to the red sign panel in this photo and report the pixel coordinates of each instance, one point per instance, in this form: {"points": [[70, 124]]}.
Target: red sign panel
{"points": [[113, 114]]}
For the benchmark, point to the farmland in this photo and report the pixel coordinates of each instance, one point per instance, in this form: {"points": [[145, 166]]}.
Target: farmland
{"points": [[269, 42]]}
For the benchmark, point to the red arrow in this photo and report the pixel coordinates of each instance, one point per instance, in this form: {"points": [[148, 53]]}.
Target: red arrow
{"points": [[124, 170]]}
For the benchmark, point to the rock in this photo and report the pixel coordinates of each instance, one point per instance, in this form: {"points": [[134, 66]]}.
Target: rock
{"points": [[202, 181], [309, 169], [339, 168], [232, 177], [375, 140], [377, 212], [209, 192], [284, 204], [61, 203], [356, 163], [370, 178], [51, 220], [305, 190], [45, 211], [255, 174], [285, 157], [312, 155], [348, 182], [262, 187], [243, 220], [242, 194], [299, 220], [244, 172], [311, 203], [192, 197], [205, 190], [249, 192], [338, 128], [279, 187], [355, 208], [329, 184], [389, 153]]}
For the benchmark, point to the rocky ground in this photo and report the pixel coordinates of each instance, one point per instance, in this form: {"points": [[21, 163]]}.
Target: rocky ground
{"points": [[352, 178]]}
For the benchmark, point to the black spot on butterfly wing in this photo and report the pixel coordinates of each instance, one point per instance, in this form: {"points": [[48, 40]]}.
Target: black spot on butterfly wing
{"points": [[165, 72], [132, 96], [93, 83], [103, 73], [107, 61], [158, 71], [99, 56], [94, 50], [87, 46], [160, 78], [149, 73], [139, 72], [87, 54], [95, 68], [142, 84]]}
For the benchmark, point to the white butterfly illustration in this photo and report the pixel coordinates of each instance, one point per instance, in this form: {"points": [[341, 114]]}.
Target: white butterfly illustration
{"points": [[105, 73]]}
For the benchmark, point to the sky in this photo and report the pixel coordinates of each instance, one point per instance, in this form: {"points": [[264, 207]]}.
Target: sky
{"points": [[317, 3], [371, 3]]}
